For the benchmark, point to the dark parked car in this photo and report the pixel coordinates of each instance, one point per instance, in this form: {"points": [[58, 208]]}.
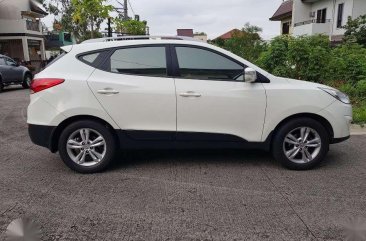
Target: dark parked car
{"points": [[12, 73]]}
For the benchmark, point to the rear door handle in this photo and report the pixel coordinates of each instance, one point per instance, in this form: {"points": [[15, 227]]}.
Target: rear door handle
{"points": [[108, 91], [190, 94]]}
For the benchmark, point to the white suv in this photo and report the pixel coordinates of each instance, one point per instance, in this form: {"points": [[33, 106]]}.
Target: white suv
{"points": [[171, 92]]}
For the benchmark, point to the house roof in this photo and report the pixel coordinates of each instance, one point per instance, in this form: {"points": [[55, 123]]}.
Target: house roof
{"points": [[37, 7], [229, 34], [284, 11]]}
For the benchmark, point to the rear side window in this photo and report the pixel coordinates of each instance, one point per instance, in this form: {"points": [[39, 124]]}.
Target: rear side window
{"points": [[90, 58], [2, 61], [147, 61]]}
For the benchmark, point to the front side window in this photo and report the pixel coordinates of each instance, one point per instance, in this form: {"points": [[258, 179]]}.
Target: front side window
{"points": [[147, 61], [196, 63]]}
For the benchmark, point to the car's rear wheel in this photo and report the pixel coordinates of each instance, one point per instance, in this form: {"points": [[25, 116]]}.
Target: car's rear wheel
{"points": [[27, 81], [1, 86], [87, 146], [301, 144]]}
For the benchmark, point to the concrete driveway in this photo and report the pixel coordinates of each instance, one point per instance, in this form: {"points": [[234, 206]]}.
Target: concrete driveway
{"points": [[176, 195]]}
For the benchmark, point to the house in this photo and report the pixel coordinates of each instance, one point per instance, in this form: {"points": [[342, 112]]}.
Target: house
{"points": [[229, 34], [310, 17], [185, 33], [201, 37], [21, 31], [325, 16], [284, 15]]}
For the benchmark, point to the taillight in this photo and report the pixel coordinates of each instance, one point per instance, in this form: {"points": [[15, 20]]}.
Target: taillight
{"points": [[38, 85]]}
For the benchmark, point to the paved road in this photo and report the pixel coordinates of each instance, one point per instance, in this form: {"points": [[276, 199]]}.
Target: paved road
{"points": [[176, 195]]}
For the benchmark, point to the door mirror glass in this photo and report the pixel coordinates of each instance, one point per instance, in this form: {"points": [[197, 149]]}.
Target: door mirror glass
{"points": [[250, 75]]}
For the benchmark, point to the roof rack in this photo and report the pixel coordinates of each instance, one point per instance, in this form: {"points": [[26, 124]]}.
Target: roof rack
{"points": [[141, 37]]}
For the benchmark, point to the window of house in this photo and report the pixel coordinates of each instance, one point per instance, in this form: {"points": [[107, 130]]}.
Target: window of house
{"points": [[286, 27], [149, 61], [321, 16], [340, 15], [196, 63]]}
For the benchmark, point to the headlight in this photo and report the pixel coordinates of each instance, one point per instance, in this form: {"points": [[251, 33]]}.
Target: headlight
{"points": [[338, 95]]}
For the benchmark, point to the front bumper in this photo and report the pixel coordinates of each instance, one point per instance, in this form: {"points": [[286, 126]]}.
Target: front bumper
{"points": [[41, 135]]}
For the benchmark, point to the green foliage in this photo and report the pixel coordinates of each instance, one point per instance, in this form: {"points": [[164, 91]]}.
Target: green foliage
{"points": [[299, 58], [245, 43], [90, 13], [356, 30], [131, 27]]}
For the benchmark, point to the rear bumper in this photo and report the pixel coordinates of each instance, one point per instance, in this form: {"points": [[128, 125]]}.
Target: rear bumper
{"points": [[41, 135]]}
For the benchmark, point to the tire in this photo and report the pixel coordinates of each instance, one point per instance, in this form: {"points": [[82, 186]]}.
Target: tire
{"points": [[293, 152], [96, 158], [1, 86], [26, 81]]}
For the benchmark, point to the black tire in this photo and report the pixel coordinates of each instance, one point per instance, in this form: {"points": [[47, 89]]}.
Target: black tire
{"points": [[26, 80], [278, 145], [1, 86], [110, 145]]}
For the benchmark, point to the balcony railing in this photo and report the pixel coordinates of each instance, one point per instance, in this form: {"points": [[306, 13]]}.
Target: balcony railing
{"points": [[33, 26], [310, 22]]}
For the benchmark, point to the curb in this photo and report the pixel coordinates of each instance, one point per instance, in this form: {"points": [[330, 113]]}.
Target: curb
{"points": [[357, 130]]}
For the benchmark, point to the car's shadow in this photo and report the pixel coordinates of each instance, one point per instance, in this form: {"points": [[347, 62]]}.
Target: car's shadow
{"points": [[125, 159], [140, 158], [12, 88]]}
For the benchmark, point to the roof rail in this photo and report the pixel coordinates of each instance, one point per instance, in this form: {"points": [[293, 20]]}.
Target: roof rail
{"points": [[140, 37]]}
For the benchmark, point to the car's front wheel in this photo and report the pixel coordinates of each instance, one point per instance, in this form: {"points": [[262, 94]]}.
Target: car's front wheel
{"points": [[301, 144], [87, 146]]}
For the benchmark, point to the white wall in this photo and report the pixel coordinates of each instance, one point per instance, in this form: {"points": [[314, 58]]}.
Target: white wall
{"points": [[11, 9], [302, 13]]}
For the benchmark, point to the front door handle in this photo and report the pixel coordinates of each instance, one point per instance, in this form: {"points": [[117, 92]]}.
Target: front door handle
{"points": [[108, 91], [190, 94]]}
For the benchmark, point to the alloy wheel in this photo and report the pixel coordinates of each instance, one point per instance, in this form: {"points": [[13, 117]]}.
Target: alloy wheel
{"points": [[302, 145], [86, 147]]}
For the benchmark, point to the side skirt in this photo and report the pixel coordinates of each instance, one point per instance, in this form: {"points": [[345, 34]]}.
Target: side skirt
{"points": [[185, 140]]}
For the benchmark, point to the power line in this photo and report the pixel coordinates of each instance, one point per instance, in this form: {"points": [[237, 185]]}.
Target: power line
{"points": [[131, 8]]}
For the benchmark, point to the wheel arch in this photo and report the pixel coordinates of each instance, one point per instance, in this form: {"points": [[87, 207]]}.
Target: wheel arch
{"points": [[58, 130], [323, 121]]}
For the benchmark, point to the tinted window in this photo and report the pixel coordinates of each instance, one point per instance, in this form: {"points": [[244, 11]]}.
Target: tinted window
{"points": [[195, 63], [2, 61], [149, 61], [90, 58], [9, 61]]}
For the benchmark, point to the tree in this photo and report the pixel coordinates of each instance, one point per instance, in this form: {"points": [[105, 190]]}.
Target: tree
{"points": [[356, 30], [90, 13], [131, 27], [246, 43]]}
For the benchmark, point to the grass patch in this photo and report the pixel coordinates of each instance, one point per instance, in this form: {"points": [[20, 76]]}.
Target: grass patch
{"points": [[359, 113]]}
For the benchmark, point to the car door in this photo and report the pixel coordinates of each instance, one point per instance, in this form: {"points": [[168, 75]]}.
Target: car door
{"points": [[5, 71], [213, 101], [135, 90], [14, 72]]}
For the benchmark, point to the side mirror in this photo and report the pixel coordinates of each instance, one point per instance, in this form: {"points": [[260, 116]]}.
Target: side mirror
{"points": [[250, 75]]}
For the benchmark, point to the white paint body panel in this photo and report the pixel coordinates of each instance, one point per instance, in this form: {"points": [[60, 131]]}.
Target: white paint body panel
{"points": [[225, 107], [143, 103], [249, 111]]}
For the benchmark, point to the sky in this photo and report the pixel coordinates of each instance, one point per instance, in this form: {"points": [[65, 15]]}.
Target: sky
{"points": [[214, 17]]}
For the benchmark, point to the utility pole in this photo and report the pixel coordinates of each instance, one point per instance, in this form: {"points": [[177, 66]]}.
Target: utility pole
{"points": [[125, 10]]}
